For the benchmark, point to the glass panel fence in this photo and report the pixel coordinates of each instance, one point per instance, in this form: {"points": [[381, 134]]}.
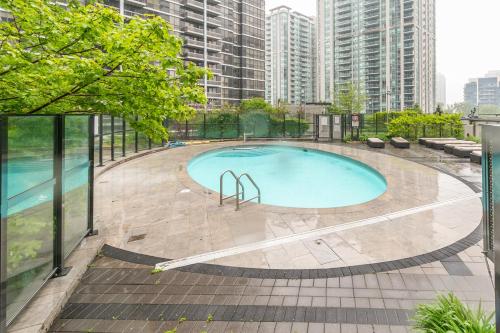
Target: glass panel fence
{"points": [[75, 180], [30, 215]]}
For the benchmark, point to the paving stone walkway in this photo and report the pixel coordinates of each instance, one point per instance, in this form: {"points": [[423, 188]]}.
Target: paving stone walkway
{"points": [[129, 296], [116, 296]]}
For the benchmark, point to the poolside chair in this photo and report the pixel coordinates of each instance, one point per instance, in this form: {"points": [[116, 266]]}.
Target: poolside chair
{"points": [[448, 148], [476, 156], [423, 141], [439, 144], [399, 142], [465, 151], [375, 143]]}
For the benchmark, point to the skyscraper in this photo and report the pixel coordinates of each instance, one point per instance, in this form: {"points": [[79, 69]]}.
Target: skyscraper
{"points": [[440, 89], [290, 57], [386, 48], [470, 92], [235, 41], [484, 90]]}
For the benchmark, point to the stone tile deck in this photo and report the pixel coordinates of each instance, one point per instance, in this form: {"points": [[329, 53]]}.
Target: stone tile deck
{"points": [[152, 206], [120, 296]]}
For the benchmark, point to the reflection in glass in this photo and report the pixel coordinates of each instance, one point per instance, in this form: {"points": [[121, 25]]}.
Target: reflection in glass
{"points": [[30, 215]]}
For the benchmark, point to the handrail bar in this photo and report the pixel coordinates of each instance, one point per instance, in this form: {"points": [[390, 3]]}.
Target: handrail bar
{"points": [[221, 187], [237, 190]]}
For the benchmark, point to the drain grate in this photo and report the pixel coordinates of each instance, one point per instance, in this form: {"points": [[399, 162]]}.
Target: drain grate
{"points": [[136, 238]]}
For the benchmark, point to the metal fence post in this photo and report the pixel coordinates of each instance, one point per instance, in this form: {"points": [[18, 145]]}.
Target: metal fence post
{"points": [[284, 125], [112, 138], [100, 140], [58, 197], [90, 203], [3, 221], [124, 138], [300, 129], [238, 125], [204, 125], [136, 138], [186, 135]]}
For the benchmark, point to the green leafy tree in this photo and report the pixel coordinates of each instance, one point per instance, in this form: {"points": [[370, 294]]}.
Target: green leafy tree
{"points": [[89, 59], [255, 104], [349, 99]]}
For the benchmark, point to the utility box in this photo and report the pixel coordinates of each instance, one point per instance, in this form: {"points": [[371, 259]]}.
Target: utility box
{"points": [[491, 188]]}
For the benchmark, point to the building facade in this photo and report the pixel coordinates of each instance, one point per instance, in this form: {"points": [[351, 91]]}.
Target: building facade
{"points": [[386, 48], [440, 90], [483, 90], [290, 57], [227, 36], [470, 93]]}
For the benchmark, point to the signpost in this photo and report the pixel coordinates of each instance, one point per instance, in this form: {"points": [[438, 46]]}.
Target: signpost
{"points": [[355, 119]]}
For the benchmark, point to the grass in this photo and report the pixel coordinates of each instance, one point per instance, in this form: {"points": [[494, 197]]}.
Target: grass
{"points": [[448, 314]]}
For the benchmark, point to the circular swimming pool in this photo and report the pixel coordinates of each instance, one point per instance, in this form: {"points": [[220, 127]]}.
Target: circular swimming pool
{"points": [[290, 176]]}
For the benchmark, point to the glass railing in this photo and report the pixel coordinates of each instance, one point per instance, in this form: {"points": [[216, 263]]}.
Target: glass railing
{"points": [[46, 181]]}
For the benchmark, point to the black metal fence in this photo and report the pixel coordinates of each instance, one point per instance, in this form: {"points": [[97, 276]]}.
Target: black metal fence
{"points": [[114, 138], [46, 206]]}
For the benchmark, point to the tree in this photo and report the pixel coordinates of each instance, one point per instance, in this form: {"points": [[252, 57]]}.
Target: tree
{"points": [[89, 59], [255, 104], [350, 99]]}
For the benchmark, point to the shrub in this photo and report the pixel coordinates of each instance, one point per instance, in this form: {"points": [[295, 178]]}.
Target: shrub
{"points": [[426, 125], [451, 315]]}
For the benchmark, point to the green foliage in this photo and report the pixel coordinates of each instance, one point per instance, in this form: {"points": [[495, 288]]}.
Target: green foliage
{"points": [[255, 104], [473, 139], [156, 271], [413, 126], [349, 99], [89, 59], [450, 315]]}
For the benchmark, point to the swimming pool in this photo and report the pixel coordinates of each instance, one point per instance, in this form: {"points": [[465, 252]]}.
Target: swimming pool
{"points": [[291, 176]]}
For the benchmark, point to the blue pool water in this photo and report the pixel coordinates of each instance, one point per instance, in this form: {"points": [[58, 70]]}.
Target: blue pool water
{"points": [[24, 177], [291, 176]]}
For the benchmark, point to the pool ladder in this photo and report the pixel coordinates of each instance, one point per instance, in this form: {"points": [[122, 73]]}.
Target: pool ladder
{"points": [[239, 186]]}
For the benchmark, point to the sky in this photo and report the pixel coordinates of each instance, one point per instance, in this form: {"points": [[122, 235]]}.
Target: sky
{"points": [[467, 38]]}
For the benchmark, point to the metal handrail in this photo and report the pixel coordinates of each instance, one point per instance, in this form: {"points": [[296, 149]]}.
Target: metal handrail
{"points": [[237, 190], [238, 184]]}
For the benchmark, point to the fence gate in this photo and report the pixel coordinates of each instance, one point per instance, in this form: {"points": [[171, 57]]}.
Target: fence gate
{"points": [[322, 126]]}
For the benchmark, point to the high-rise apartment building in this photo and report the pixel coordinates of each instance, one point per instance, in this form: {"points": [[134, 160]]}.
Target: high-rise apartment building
{"points": [[386, 48], [470, 92], [226, 35], [290, 57], [483, 90], [440, 90]]}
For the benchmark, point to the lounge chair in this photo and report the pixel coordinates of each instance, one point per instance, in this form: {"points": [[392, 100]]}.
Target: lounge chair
{"points": [[476, 156], [399, 142], [449, 147], [439, 144], [375, 143], [423, 141], [465, 151]]}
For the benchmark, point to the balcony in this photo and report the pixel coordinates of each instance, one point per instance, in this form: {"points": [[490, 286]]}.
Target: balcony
{"points": [[198, 18], [138, 3], [200, 57], [197, 5], [198, 44], [193, 31]]}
